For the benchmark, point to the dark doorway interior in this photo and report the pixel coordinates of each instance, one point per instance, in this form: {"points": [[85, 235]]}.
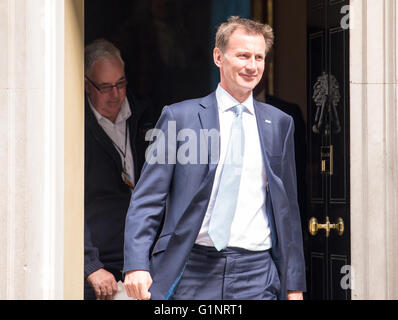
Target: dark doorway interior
{"points": [[166, 54], [166, 44]]}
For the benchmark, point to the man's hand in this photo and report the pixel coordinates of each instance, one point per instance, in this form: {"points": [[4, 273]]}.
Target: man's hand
{"points": [[294, 295], [137, 284], [104, 284]]}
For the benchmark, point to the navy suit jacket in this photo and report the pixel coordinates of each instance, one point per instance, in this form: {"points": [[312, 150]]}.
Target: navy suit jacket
{"points": [[170, 200]]}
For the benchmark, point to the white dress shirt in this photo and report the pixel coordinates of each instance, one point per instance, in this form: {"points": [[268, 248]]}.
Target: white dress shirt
{"points": [[117, 133], [250, 229]]}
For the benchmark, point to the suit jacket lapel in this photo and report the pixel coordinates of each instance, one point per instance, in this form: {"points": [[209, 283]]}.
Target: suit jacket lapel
{"points": [[209, 120], [265, 130]]}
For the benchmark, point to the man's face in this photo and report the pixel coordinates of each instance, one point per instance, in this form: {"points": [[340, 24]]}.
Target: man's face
{"points": [[242, 63], [105, 73]]}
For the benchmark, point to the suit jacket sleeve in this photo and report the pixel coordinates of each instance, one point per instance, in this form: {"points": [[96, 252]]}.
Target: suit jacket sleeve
{"points": [[91, 254], [148, 201], [295, 263]]}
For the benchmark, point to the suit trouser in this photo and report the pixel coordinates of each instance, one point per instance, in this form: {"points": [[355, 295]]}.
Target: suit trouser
{"points": [[232, 273]]}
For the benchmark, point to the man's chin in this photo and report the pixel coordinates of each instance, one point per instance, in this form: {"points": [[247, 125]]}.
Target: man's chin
{"points": [[116, 106], [249, 86]]}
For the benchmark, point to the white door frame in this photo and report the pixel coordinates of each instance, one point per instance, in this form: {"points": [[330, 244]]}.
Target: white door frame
{"points": [[42, 129], [374, 148]]}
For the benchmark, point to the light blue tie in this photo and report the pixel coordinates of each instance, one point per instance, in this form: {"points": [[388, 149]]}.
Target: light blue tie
{"points": [[227, 196]]}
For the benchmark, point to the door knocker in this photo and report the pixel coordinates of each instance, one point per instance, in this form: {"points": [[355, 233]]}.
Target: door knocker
{"points": [[326, 94]]}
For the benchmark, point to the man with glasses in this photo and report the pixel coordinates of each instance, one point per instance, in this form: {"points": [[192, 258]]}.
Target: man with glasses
{"points": [[114, 154]]}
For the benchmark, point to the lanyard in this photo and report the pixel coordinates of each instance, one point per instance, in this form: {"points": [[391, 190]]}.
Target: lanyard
{"points": [[125, 146], [125, 176]]}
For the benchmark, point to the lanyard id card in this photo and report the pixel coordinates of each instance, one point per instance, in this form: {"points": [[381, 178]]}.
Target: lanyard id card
{"points": [[127, 179]]}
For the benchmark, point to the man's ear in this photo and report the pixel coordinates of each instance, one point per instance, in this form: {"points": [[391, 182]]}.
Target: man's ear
{"points": [[217, 56]]}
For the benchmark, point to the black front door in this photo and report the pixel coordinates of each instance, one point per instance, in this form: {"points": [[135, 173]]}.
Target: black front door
{"points": [[327, 234]]}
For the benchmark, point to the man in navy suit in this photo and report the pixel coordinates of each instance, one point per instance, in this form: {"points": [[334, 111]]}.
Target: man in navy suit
{"points": [[215, 213]]}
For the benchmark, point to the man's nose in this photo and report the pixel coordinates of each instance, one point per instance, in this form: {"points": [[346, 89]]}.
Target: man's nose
{"points": [[251, 64], [114, 92]]}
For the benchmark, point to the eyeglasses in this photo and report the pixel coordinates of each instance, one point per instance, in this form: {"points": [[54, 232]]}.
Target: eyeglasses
{"points": [[108, 88]]}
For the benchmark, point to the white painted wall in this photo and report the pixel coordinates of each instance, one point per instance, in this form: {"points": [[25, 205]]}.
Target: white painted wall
{"points": [[31, 156], [374, 148]]}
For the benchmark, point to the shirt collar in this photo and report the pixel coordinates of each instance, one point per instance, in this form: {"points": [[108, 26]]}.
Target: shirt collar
{"points": [[226, 101], [123, 115]]}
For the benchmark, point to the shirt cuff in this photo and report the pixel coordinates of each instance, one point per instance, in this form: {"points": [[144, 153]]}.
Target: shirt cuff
{"points": [[92, 267]]}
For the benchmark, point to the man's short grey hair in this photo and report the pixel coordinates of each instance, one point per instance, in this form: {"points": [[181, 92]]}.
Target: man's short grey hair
{"points": [[100, 49]]}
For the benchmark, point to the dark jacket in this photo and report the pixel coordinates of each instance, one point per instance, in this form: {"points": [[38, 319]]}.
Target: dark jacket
{"points": [[107, 197]]}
